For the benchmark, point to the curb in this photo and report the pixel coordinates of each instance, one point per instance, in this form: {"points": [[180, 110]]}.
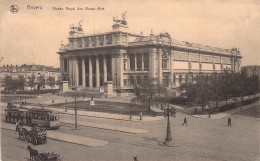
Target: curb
{"points": [[108, 129]]}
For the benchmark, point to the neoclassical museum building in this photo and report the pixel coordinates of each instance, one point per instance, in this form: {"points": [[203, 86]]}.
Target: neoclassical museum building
{"points": [[127, 59]]}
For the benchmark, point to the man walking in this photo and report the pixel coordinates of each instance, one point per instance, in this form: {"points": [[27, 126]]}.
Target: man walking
{"points": [[185, 121], [229, 121], [141, 114]]}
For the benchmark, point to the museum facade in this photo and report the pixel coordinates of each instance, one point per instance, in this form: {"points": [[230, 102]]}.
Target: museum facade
{"points": [[128, 59]]}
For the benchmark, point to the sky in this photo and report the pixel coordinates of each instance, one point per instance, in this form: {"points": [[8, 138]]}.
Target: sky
{"points": [[34, 36]]}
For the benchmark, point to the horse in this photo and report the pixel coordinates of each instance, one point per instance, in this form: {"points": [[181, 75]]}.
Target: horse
{"points": [[33, 153], [23, 132]]}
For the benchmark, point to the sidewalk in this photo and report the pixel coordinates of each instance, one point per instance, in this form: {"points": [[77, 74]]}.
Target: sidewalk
{"points": [[108, 127], [109, 115], [222, 114], [66, 137]]}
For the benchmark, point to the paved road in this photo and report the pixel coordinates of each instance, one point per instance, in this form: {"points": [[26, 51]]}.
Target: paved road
{"points": [[202, 139]]}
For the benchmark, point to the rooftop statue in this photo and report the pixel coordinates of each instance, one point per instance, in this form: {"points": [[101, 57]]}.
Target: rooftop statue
{"points": [[122, 21], [79, 28]]}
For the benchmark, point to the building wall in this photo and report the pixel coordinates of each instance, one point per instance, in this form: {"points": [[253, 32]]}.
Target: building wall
{"points": [[128, 59]]}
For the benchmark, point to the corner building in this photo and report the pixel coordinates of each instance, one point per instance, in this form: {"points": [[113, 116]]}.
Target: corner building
{"points": [[128, 59]]}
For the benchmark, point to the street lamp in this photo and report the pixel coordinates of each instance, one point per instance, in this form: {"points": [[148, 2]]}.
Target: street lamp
{"points": [[75, 96], [169, 111]]}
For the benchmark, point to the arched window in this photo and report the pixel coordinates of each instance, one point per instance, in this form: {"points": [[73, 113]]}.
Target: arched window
{"points": [[164, 61], [180, 79], [174, 79], [186, 78]]}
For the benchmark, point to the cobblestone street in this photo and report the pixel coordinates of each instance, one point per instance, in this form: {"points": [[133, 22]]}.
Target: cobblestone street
{"points": [[202, 139]]}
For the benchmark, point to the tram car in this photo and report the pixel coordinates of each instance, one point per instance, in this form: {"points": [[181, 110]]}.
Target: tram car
{"points": [[32, 117]]}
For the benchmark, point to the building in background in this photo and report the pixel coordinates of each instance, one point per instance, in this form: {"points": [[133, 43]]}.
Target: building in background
{"points": [[252, 70], [128, 59], [40, 72]]}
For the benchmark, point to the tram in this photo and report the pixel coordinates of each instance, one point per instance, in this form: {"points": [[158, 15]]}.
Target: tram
{"points": [[32, 116]]}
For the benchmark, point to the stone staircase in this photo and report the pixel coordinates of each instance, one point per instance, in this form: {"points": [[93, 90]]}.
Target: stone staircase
{"points": [[87, 92]]}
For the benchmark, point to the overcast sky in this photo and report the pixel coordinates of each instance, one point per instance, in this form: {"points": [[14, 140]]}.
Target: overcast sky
{"points": [[34, 36]]}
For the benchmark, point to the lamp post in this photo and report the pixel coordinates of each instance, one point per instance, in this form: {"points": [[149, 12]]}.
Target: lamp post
{"points": [[75, 97], [168, 111]]}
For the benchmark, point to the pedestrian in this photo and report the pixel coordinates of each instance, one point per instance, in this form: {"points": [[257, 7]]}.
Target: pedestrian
{"points": [[229, 121], [25, 103], [141, 114], [135, 158], [16, 126], [185, 121]]}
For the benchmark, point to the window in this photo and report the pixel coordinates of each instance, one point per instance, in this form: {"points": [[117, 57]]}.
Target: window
{"points": [[51, 118], [132, 62], [94, 41], [101, 40], [86, 41], [125, 64], [174, 80], [109, 39], [65, 64], [146, 61], [186, 78], [125, 82], [79, 42], [139, 61], [56, 117], [164, 61], [180, 79]]}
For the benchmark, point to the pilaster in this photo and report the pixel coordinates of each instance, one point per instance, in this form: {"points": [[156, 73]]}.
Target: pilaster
{"points": [[90, 72]]}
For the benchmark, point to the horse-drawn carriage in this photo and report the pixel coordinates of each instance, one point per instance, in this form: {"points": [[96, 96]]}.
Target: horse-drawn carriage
{"points": [[37, 135], [34, 155]]}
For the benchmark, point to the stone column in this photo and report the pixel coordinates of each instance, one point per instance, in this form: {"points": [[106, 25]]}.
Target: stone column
{"points": [[171, 64], [119, 69], [128, 62], [142, 61], [61, 68], [135, 62], [113, 68], [90, 72], [200, 65], [221, 65], [97, 42], [105, 67], [76, 72], [97, 73], [152, 63], [159, 54], [89, 42], [70, 71], [105, 41], [83, 73]]}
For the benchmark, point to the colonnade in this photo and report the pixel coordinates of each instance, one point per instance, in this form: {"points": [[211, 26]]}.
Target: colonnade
{"points": [[77, 70]]}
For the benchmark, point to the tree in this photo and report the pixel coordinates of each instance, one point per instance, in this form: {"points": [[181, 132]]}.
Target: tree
{"points": [[31, 81], [9, 84], [215, 87], [41, 82], [149, 90], [20, 82], [51, 81], [253, 85]]}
